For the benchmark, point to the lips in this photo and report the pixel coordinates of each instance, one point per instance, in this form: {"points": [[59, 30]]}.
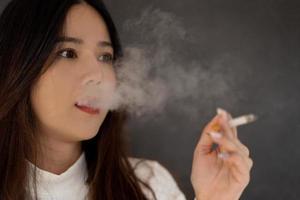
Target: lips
{"points": [[87, 109]]}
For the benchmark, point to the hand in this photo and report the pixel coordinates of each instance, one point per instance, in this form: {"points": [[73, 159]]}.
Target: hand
{"points": [[222, 173]]}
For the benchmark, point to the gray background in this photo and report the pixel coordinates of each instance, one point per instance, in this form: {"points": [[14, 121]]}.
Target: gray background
{"points": [[255, 44]]}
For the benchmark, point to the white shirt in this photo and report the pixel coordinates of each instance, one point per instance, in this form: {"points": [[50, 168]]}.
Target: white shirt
{"points": [[71, 183]]}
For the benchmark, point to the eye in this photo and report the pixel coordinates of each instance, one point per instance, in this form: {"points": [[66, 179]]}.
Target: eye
{"points": [[107, 58], [67, 53]]}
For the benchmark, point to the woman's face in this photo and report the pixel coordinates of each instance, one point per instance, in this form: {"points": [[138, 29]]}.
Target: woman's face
{"points": [[87, 60]]}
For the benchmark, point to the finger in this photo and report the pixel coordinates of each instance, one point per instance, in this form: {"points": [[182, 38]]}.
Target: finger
{"points": [[231, 131], [250, 163], [230, 145], [246, 160], [240, 163], [205, 139], [235, 141], [239, 168], [225, 143], [234, 128], [224, 122], [205, 142], [243, 148], [225, 155]]}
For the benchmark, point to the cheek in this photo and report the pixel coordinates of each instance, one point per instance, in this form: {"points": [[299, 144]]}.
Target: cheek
{"points": [[62, 122], [52, 91], [48, 101], [110, 77], [57, 115], [110, 86]]}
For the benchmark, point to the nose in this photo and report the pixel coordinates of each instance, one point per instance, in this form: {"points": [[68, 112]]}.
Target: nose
{"points": [[95, 74]]}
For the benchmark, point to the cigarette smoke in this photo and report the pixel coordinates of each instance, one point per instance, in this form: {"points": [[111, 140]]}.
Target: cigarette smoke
{"points": [[151, 76]]}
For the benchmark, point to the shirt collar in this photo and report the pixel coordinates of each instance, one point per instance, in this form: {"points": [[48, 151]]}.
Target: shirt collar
{"points": [[47, 182]]}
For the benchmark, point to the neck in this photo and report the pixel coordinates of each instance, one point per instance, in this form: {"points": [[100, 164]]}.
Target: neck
{"points": [[57, 156]]}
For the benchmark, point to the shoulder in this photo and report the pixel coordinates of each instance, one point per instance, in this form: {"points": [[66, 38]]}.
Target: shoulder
{"points": [[158, 178]]}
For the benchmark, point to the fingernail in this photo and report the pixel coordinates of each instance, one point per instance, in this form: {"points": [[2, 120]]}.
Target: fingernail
{"points": [[215, 135], [222, 112], [223, 155], [219, 111]]}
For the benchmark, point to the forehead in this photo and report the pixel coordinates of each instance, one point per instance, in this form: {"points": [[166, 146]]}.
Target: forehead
{"points": [[83, 21]]}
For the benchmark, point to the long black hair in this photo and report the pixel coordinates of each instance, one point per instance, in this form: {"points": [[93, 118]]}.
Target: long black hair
{"points": [[28, 34]]}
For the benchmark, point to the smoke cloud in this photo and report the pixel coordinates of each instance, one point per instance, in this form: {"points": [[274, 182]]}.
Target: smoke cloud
{"points": [[152, 75]]}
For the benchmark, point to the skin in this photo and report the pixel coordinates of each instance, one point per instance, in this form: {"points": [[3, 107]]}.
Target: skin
{"points": [[215, 178], [62, 126]]}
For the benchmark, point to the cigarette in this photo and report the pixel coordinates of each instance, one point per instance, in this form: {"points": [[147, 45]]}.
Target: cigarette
{"points": [[244, 119], [238, 121]]}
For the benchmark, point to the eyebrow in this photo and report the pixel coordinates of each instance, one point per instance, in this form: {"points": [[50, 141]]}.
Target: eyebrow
{"points": [[80, 41]]}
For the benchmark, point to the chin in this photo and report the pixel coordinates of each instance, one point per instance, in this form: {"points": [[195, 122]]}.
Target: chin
{"points": [[83, 133], [88, 136]]}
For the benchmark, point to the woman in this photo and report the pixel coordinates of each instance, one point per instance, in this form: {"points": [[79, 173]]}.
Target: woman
{"points": [[51, 148]]}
